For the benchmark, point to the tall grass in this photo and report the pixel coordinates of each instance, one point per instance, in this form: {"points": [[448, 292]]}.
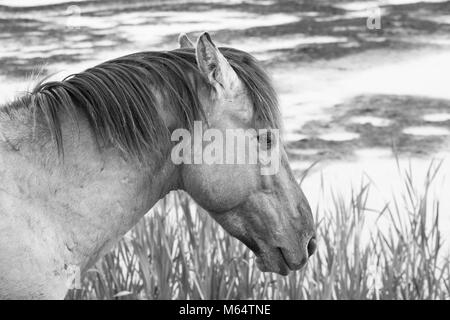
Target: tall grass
{"points": [[178, 252]]}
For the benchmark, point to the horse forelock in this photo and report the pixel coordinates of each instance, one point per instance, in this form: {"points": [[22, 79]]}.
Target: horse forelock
{"points": [[119, 100]]}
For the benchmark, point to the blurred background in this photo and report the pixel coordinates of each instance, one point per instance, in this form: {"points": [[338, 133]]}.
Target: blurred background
{"points": [[365, 97]]}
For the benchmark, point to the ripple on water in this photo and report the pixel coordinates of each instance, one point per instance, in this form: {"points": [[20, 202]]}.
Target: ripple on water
{"points": [[305, 152], [197, 21], [294, 136], [426, 131], [339, 136], [437, 117], [375, 153], [366, 5], [256, 44], [374, 121], [34, 3]]}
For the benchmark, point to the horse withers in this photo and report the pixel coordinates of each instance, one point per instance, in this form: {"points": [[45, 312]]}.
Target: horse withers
{"points": [[83, 159]]}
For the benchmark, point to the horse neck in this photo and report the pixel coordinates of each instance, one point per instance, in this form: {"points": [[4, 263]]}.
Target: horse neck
{"points": [[64, 215]]}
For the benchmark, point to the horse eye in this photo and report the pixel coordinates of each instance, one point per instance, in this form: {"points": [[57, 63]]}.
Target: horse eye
{"points": [[212, 66]]}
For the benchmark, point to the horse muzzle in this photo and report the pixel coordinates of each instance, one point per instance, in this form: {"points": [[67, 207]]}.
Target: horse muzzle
{"points": [[282, 260]]}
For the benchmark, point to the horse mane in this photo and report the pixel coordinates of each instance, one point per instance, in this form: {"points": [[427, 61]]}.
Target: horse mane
{"points": [[118, 97]]}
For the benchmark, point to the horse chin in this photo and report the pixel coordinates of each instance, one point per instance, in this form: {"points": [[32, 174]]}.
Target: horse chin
{"points": [[275, 265]]}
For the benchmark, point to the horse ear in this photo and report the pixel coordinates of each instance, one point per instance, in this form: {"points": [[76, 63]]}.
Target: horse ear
{"points": [[215, 67], [184, 41]]}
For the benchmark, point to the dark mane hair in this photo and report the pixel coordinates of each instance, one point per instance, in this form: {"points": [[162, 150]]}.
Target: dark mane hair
{"points": [[119, 96]]}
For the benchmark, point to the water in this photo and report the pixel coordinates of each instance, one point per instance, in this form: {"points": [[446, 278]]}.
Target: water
{"points": [[338, 94], [339, 136], [364, 5], [263, 50], [373, 121], [33, 3], [437, 117], [427, 131]]}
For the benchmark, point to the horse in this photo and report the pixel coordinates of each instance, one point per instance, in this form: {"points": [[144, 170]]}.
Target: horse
{"points": [[82, 160]]}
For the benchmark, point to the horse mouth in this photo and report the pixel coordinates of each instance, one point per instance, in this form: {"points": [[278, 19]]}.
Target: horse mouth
{"points": [[278, 260]]}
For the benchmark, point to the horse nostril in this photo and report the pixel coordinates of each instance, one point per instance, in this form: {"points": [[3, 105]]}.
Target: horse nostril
{"points": [[312, 246]]}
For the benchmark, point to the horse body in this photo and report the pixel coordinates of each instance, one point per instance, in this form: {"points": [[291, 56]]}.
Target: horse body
{"points": [[58, 218], [64, 205]]}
